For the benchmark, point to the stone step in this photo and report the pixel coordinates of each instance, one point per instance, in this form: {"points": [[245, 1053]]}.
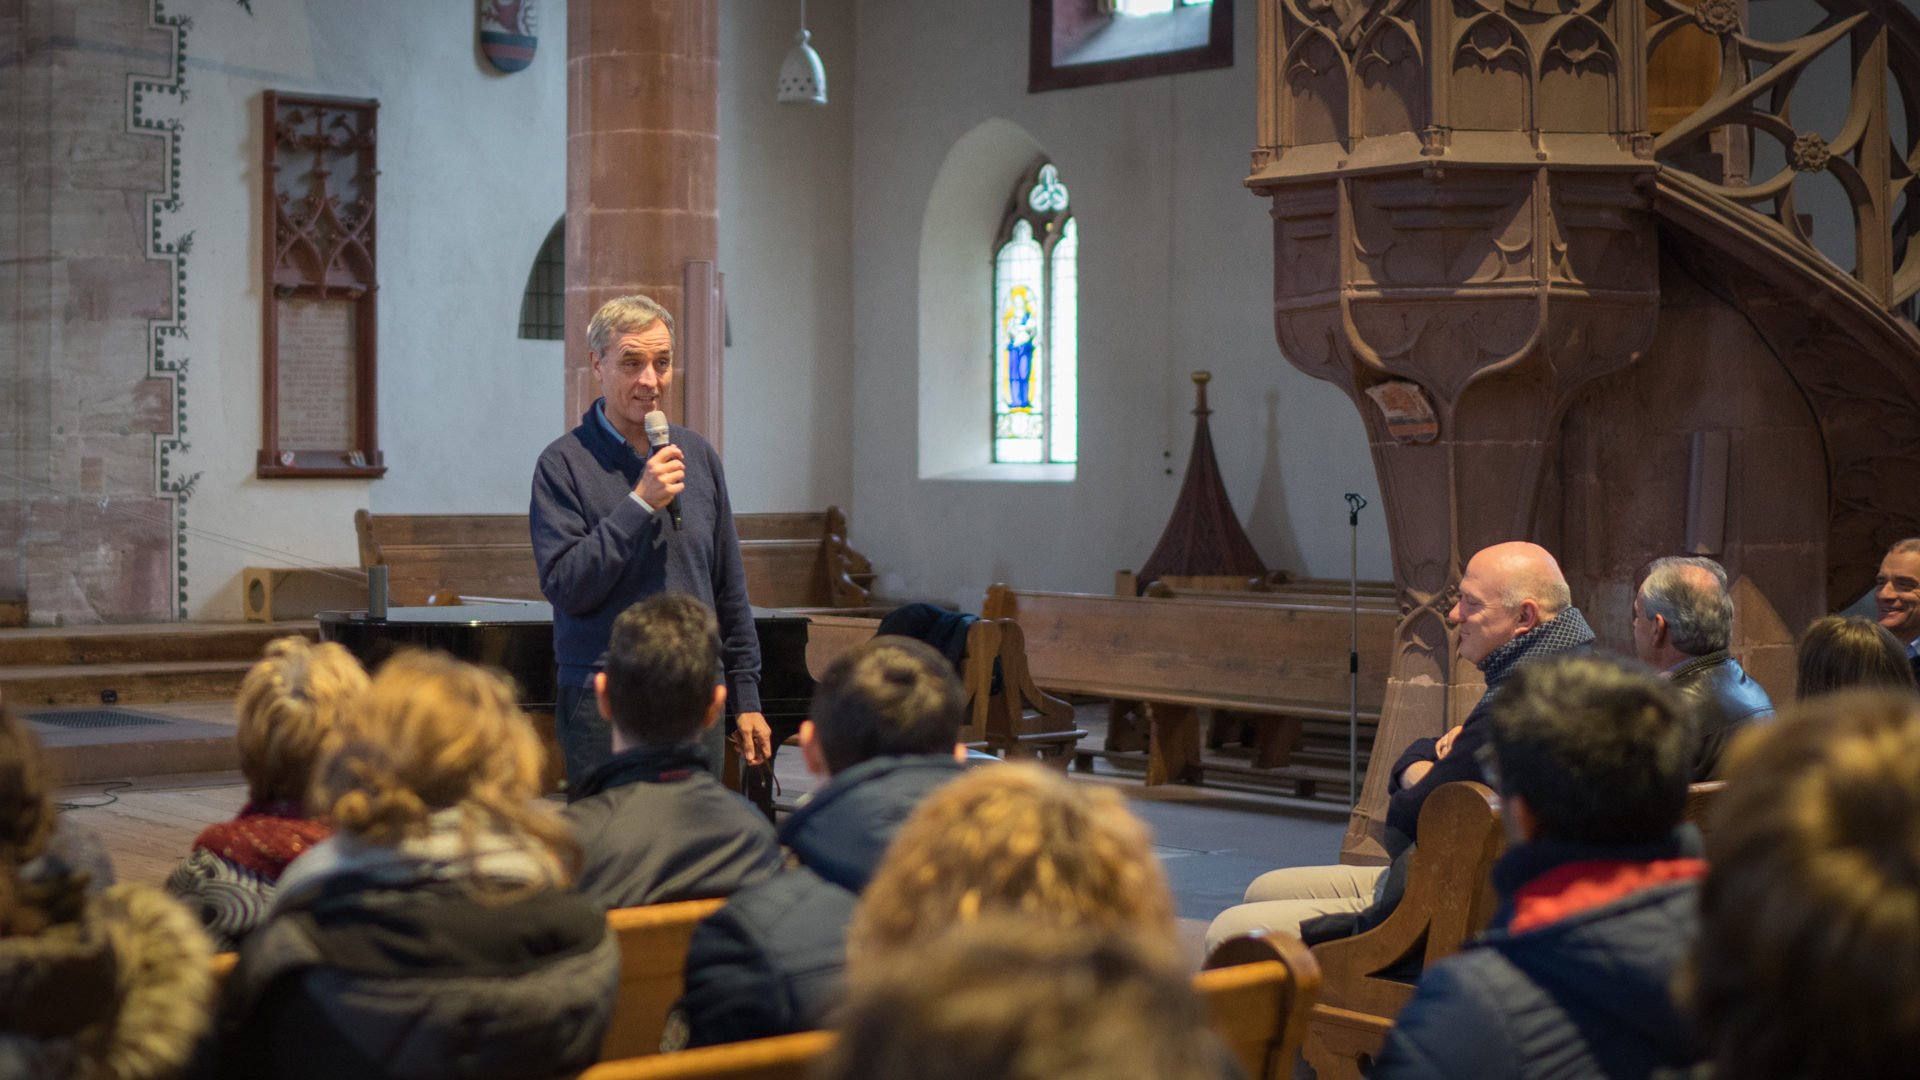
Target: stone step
{"points": [[29, 686], [125, 644]]}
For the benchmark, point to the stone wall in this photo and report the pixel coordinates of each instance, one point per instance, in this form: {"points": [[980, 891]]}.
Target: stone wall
{"points": [[88, 302]]}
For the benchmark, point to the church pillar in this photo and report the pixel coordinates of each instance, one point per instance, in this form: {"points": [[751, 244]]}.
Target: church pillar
{"points": [[1462, 240], [642, 167]]}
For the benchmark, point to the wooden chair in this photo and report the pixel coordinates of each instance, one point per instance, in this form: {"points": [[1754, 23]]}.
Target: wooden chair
{"points": [[783, 1057], [1701, 798], [1449, 898], [653, 964], [1261, 991]]}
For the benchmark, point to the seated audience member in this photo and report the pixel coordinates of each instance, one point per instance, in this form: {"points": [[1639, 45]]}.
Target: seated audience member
{"points": [[288, 711], [432, 934], [654, 824], [1017, 999], [1017, 840], [1597, 896], [1896, 597], [115, 985], [1514, 608], [1808, 961], [883, 729], [1844, 651], [1682, 623]]}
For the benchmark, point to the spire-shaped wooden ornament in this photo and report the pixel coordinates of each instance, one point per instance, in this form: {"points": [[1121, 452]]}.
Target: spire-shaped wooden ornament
{"points": [[1203, 537]]}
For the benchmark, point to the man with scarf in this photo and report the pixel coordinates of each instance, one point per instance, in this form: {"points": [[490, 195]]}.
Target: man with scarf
{"points": [[1597, 892], [1514, 607]]}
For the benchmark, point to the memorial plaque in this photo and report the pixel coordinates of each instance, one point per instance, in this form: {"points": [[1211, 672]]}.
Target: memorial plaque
{"points": [[319, 312], [316, 377]]}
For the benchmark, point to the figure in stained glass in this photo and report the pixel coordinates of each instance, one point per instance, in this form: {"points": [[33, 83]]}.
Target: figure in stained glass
{"points": [[1022, 326]]}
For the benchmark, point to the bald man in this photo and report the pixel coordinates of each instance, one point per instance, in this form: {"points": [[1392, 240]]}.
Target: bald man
{"points": [[1514, 607], [1682, 624]]}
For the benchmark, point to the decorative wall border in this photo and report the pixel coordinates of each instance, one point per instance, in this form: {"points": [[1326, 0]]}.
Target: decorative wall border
{"points": [[172, 330]]}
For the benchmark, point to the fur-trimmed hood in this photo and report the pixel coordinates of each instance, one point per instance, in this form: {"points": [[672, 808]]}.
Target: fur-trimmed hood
{"points": [[122, 993]]}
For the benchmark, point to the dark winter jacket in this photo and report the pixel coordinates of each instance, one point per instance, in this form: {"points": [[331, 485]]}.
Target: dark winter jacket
{"points": [[1726, 699], [654, 827], [600, 551], [772, 961], [419, 969], [1564, 633], [1581, 996]]}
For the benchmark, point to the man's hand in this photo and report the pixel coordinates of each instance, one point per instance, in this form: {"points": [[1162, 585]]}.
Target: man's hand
{"points": [[665, 477], [753, 737], [1445, 744], [1415, 773]]}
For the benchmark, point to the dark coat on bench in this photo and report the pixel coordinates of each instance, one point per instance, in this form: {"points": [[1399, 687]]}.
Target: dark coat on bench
{"points": [[773, 960], [1726, 698], [1581, 997], [1565, 632], [655, 827]]}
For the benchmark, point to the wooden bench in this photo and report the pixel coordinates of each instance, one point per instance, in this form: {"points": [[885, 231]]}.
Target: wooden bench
{"points": [[1020, 721], [791, 560], [1449, 897], [1177, 656], [653, 964], [1314, 750], [1259, 991]]}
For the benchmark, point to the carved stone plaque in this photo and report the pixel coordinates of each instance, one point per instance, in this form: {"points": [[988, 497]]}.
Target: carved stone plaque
{"points": [[316, 373]]}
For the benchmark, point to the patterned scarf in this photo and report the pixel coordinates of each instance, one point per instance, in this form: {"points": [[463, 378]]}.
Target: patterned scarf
{"points": [[1565, 632], [264, 838]]}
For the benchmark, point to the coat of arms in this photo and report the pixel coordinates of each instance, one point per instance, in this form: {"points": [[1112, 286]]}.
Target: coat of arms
{"points": [[507, 33]]}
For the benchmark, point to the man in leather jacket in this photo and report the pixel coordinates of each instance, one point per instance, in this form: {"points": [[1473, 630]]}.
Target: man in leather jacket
{"points": [[1682, 621]]}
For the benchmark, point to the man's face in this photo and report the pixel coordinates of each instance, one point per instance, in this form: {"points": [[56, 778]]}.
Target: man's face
{"points": [[1896, 594], [1485, 621], [635, 373], [1643, 631]]}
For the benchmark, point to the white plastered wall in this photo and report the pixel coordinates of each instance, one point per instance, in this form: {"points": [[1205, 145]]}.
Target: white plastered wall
{"points": [[1175, 275], [472, 175]]}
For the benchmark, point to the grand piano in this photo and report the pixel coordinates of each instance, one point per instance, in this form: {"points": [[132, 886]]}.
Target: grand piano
{"points": [[518, 640]]}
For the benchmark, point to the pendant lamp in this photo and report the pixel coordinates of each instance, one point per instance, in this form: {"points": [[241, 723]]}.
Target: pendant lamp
{"points": [[803, 81]]}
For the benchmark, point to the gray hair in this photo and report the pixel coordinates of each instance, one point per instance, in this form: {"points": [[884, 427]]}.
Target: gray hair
{"points": [[623, 315], [1699, 621], [1909, 546]]}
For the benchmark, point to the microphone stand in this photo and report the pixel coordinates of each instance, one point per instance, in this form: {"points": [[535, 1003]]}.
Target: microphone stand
{"points": [[1355, 504]]}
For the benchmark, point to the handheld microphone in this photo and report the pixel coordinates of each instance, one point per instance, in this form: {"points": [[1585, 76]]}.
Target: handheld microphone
{"points": [[656, 425]]}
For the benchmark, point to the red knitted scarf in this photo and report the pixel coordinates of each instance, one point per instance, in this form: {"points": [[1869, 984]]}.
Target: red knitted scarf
{"points": [[264, 838]]}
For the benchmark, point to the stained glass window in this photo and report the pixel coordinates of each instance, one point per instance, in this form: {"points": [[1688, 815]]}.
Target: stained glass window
{"points": [[1035, 305]]}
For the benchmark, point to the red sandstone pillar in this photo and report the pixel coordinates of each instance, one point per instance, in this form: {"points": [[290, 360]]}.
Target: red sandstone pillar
{"points": [[642, 166]]}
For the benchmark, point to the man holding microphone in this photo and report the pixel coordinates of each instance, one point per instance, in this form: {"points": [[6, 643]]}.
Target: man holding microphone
{"points": [[618, 517]]}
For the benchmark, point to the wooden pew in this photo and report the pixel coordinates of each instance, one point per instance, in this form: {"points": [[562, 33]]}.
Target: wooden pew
{"points": [[1259, 991], [1178, 656], [1449, 898], [653, 964], [1701, 799], [791, 560], [1022, 721], [1302, 749]]}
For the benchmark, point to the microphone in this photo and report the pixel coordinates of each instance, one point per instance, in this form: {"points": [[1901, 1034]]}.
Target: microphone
{"points": [[656, 425]]}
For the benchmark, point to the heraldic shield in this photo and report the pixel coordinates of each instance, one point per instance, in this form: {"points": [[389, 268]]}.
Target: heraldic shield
{"points": [[507, 33]]}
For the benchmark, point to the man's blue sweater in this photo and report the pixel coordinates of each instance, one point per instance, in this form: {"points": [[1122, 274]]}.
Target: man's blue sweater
{"points": [[600, 551]]}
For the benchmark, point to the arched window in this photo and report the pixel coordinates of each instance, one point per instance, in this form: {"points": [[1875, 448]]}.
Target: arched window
{"points": [[543, 307], [1035, 324]]}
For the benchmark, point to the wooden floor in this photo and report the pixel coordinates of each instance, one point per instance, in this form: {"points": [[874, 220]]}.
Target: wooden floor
{"points": [[149, 825]]}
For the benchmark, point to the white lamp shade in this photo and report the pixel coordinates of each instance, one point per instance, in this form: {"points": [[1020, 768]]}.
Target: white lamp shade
{"points": [[802, 80]]}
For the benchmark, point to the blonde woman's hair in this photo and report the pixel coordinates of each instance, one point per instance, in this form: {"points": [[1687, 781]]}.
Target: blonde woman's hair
{"points": [[289, 712], [1013, 840], [432, 734]]}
